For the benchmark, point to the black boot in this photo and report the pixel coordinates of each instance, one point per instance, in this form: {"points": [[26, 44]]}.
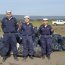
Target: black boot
{"points": [[4, 58], [43, 55], [48, 56], [25, 57], [15, 57], [31, 56]]}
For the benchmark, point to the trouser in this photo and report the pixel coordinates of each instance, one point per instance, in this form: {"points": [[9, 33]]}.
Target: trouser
{"points": [[9, 40], [27, 45], [46, 42]]}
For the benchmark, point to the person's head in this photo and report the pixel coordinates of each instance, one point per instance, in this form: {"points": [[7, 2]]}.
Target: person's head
{"points": [[8, 14], [45, 21], [27, 19]]}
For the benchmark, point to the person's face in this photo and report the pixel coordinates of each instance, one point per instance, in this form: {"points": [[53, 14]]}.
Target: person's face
{"points": [[27, 20], [8, 14], [45, 22]]}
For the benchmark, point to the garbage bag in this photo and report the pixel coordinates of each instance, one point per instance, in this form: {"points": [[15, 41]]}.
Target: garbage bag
{"points": [[37, 51]]}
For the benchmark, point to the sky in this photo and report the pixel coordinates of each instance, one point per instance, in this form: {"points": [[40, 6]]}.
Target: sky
{"points": [[34, 7]]}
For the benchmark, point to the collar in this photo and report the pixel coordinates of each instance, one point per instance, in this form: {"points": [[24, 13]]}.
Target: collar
{"points": [[45, 25], [9, 18], [27, 23]]}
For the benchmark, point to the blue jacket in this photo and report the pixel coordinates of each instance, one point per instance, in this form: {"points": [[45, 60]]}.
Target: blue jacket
{"points": [[45, 30], [9, 25], [27, 29]]}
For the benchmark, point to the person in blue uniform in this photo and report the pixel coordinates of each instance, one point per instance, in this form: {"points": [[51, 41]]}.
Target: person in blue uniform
{"points": [[45, 31], [9, 27], [27, 33]]}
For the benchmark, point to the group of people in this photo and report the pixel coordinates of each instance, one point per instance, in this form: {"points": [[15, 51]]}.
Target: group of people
{"points": [[10, 28]]}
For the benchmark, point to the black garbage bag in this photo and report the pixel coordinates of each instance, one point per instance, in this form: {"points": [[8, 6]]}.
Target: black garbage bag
{"points": [[56, 42], [56, 47], [55, 37], [36, 40], [20, 50], [63, 47], [63, 43], [37, 51], [37, 48], [19, 38], [1, 45]]}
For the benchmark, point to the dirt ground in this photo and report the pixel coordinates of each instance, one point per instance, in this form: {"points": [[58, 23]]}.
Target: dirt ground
{"points": [[57, 58]]}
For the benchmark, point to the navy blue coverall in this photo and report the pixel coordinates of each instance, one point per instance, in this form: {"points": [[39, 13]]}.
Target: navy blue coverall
{"points": [[27, 33], [45, 39], [9, 28]]}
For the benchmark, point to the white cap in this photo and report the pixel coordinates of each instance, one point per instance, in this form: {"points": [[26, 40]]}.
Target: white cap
{"points": [[8, 11], [26, 17], [45, 19]]}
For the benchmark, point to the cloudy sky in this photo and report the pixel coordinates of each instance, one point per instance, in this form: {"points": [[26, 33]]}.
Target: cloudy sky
{"points": [[34, 7]]}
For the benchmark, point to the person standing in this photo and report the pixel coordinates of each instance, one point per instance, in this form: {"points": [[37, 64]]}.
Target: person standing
{"points": [[27, 33], [45, 31], [9, 27]]}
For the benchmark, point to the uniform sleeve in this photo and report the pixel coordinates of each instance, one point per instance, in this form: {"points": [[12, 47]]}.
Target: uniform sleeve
{"points": [[2, 24], [32, 28], [16, 26], [51, 29], [35, 30], [21, 27], [39, 30]]}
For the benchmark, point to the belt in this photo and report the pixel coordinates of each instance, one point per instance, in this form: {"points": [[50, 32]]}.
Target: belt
{"points": [[45, 34], [9, 32], [26, 35]]}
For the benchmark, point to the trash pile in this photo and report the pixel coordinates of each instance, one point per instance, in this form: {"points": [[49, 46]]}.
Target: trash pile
{"points": [[58, 44]]}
